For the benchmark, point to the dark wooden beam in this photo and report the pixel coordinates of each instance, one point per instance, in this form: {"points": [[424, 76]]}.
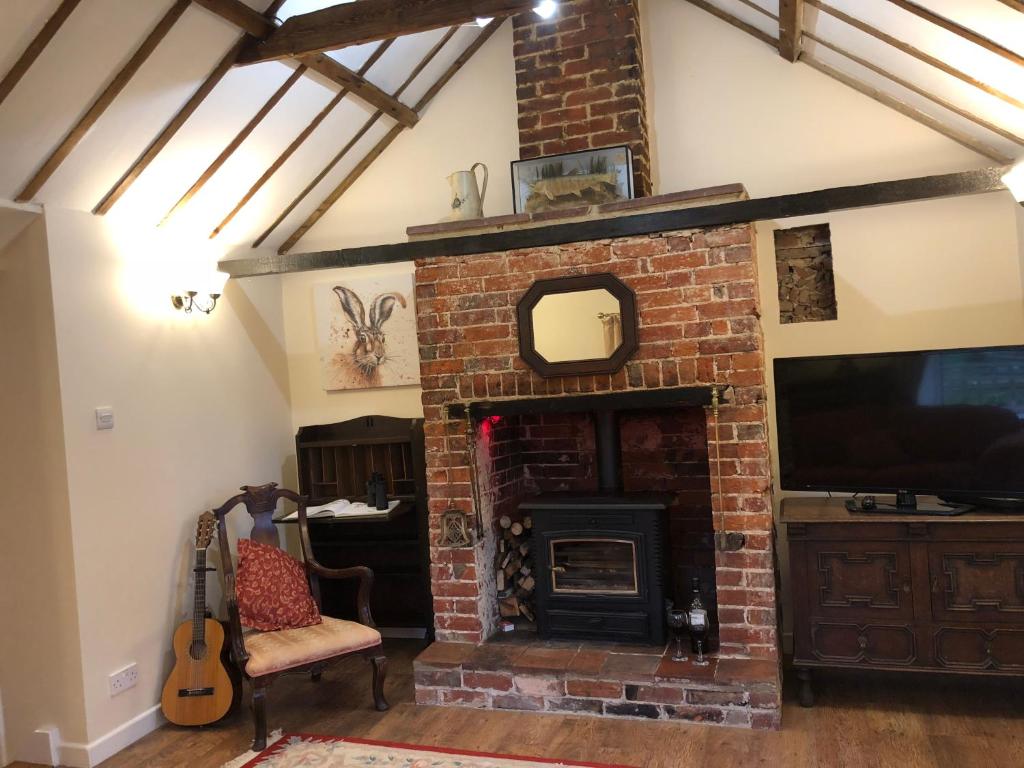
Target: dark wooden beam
{"points": [[304, 134], [39, 42], [1017, 5], [235, 143], [427, 58], [163, 139], [364, 21], [912, 51], [948, 105], [722, 214], [957, 29], [156, 147], [104, 100], [888, 100], [960, 137], [256, 24], [668, 397], [791, 23], [391, 135], [359, 86], [728, 18]]}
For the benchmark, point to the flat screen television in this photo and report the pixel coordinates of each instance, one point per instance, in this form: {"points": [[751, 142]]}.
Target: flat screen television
{"points": [[946, 422]]}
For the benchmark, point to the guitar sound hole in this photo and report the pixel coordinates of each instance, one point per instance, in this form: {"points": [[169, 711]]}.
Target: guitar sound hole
{"points": [[197, 651]]}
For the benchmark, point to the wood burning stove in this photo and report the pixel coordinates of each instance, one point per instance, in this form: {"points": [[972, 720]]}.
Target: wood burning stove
{"points": [[600, 566], [600, 558]]}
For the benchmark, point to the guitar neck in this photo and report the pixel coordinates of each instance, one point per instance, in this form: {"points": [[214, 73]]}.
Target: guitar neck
{"points": [[199, 599]]}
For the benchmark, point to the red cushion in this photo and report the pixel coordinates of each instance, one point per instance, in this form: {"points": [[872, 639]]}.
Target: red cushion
{"points": [[272, 589]]}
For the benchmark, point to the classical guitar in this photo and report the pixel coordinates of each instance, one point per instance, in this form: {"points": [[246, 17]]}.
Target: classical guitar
{"points": [[199, 690]]}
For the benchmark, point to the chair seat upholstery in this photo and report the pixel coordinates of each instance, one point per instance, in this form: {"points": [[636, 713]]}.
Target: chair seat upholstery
{"points": [[283, 649]]}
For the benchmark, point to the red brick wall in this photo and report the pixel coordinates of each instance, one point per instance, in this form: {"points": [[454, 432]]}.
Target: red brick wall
{"points": [[697, 301], [580, 82]]}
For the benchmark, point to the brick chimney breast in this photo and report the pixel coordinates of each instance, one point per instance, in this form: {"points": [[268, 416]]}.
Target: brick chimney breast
{"points": [[580, 82]]}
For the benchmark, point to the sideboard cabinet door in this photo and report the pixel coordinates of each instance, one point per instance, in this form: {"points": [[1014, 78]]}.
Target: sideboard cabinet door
{"points": [[977, 581], [862, 580]]}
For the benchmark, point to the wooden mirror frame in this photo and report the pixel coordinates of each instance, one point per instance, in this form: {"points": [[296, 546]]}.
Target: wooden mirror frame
{"points": [[572, 284]]}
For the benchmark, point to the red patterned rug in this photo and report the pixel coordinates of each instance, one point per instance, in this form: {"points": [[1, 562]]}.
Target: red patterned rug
{"points": [[293, 750]]}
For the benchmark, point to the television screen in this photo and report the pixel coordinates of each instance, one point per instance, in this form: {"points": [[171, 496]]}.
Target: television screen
{"points": [[943, 422]]}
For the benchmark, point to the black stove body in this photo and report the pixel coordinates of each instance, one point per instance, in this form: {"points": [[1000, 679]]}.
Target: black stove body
{"points": [[600, 566]]}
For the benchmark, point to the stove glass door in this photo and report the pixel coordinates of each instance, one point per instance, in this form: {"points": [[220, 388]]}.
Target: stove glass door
{"points": [[593, 565]]}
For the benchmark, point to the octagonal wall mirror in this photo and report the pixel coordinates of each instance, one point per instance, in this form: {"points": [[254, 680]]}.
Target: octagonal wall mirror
{"points": [[577, 325]]}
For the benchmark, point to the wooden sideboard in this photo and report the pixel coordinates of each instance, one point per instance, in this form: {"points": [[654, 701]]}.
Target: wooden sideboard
{"points": [[920, 593]]}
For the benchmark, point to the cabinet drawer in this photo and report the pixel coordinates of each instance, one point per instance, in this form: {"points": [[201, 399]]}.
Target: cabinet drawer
{"points": [[977, 581], [851, 643], [612, 626], [858, 580], [996, 649]]}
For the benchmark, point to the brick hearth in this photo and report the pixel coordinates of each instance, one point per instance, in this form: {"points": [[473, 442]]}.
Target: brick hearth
{"points": [[512, 672], [698, 325]]}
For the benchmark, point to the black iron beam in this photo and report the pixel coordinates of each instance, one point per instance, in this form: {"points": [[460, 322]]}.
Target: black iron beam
{"points": [[721, 214]]}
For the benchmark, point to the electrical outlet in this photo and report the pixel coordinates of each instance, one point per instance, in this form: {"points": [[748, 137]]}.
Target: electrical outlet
{"points": [[123, 679]]}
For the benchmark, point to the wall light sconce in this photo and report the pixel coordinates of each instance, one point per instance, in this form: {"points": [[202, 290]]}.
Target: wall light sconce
{"points": [[188, 301], [1014, 181]]}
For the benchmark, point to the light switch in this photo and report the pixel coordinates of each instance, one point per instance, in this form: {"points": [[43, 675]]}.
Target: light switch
{"points": [[104, 418]]}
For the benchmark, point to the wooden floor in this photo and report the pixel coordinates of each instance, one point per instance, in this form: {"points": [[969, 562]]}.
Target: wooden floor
{"points": [[860, 720]]}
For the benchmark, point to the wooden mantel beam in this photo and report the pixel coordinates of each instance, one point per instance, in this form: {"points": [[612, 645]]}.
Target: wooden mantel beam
{"points": [[791, 22], [365, 21], [738, 212]]}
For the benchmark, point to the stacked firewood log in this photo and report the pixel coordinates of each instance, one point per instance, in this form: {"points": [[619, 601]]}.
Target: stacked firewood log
{"points": [[514, 569]]}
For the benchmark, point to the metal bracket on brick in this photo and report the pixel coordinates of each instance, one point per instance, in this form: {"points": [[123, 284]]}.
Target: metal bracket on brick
{"points": [[729, 541]]}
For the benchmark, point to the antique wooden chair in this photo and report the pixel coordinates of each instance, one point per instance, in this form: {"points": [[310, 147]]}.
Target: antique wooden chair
{"points": [[263, 656]]}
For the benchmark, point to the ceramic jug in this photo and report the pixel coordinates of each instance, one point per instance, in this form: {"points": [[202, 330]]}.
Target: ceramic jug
{"points": [[467, 198]]}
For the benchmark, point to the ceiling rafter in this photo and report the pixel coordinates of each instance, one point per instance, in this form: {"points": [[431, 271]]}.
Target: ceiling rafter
{"points": [[235, 143], [948, 105], [359, 86], [149, 154], [791, 21], [391, 135], [365, 21], [913, 113], [1017, 5], [304, 134], [959, 30], [960, 137], [912, 51], [358, 135], [39, 42], [257, 26], [104, 100], [242, 16]]}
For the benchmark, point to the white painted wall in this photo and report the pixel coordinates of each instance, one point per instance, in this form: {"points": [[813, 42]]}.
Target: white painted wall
{"points": [[201, 407], [204, 404], [41, 673]]}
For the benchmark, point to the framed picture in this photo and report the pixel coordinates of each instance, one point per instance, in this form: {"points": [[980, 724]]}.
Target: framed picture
{"points": [[587, 177], [366, 332]]}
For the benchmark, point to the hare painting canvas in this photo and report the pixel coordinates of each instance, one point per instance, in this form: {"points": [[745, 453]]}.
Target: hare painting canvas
{"points": [[366, 331]]}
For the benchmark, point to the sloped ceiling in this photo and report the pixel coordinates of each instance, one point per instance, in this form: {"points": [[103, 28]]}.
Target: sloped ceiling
{"points": [[100, 36], [913, 63], [956, 85]]}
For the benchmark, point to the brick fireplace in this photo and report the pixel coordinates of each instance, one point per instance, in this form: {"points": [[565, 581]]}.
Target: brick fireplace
{"points": [[698, 312]]}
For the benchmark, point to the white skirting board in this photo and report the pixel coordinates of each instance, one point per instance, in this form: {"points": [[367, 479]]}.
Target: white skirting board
{"points": [[76, 755]]}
